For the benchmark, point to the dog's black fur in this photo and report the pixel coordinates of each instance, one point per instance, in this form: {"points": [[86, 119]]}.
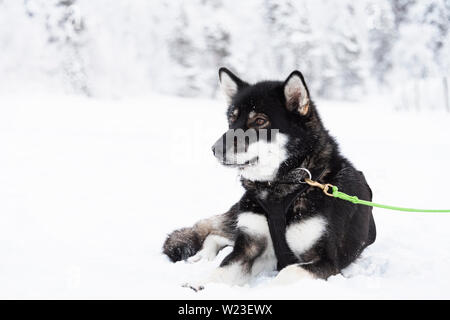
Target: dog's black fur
{"points": [[349, 228]]}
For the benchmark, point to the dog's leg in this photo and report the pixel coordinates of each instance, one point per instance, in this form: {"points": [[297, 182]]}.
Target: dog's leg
{"points": [[213, 234], [291, 274], [252, 253], [322, 269], [211, 246], [302, 237]]}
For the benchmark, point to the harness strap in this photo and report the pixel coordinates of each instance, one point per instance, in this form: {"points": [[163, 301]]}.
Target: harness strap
{"points": [[275, 212], [276, 218]]}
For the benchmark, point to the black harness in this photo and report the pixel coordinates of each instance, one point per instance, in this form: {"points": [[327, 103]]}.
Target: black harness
{"points": [[275, 211]]}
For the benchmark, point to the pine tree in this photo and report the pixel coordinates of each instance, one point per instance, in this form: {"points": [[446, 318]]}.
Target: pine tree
{"points": [[291, 38], [65, 33], [381, 37]]}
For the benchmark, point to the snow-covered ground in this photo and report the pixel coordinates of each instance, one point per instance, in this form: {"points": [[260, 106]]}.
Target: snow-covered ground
{"points": [[90, 188]]}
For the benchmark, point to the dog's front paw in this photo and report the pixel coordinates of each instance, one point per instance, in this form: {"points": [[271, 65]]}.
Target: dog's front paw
{"points": [[194, 286], [291, 274], [181, 244], [203, 254]]}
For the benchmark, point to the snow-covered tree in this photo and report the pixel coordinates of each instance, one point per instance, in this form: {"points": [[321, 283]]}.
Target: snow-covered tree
{"points": [[291, 38], [341, 49], [381, 38], [65, 36], [114, 48]]}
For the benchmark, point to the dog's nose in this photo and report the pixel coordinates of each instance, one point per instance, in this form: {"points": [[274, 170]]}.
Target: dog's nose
{"points": [[218, 149]]}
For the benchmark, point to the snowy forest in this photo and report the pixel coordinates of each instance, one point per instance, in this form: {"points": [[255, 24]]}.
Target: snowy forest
{"points": [[346, 49], [109, 109]]}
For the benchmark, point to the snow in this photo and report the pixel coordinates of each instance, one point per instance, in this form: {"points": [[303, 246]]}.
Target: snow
{"points": [[345, 49], [89, 189]]}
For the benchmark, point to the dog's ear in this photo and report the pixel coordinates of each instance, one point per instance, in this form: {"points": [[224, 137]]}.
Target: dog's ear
{"points": [[230, 84], [296, 93]]}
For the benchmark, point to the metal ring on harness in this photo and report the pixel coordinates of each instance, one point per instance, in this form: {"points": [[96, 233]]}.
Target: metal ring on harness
{"points": [[307, 171]]}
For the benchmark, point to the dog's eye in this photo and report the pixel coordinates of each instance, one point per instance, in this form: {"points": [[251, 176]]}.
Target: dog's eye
{"points": [[260, 121], [234, 115], [257, 120]]}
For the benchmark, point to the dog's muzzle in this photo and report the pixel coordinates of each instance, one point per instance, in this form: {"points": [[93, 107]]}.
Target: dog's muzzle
{"points": [[231, 149]]}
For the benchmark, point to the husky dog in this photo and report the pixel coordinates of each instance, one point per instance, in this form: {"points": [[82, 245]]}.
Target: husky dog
{"points": [[323, 234]]}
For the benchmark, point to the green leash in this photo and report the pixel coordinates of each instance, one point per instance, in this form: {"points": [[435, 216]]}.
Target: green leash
{"points": [[354, 199]]}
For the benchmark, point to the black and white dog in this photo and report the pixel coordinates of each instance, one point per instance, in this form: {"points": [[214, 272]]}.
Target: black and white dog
{"points": [[323, 234]]}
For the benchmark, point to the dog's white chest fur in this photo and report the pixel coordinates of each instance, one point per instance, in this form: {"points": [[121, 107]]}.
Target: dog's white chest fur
{"points": [[301, 236]]}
